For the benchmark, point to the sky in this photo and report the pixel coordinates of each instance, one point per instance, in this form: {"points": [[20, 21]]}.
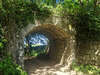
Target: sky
{"points": [[37, 39]]}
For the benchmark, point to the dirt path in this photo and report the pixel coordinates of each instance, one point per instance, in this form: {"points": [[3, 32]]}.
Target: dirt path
{"points": [[45, 67]]}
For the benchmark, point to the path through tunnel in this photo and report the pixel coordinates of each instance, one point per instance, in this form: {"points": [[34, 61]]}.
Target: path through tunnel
{"points": [[55, 44]]}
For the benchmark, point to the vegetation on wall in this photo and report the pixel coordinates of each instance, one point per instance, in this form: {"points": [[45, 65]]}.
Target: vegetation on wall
{"points": [[88, 69], [7, 67], [84, 16], [3, 42], [21, 12]]}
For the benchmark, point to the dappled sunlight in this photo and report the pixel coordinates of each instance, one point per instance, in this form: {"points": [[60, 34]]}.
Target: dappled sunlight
{"points": [[48, 68]]}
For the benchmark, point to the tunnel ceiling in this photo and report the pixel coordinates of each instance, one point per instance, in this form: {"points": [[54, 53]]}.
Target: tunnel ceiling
{"points": [[51, 31]]}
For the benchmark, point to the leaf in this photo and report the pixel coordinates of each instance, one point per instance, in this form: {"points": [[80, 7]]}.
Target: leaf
{"points": [[4, 40], [1, 45]]}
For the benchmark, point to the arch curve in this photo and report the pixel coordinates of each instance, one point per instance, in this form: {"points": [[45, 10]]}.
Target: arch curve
{"points": [[57, 37]]}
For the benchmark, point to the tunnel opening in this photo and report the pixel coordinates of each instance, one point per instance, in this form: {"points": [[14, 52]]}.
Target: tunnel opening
{"points": [[36, 45], [56, 47]]}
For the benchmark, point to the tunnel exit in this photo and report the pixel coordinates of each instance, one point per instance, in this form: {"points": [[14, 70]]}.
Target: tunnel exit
{"points": [[36, 44]]}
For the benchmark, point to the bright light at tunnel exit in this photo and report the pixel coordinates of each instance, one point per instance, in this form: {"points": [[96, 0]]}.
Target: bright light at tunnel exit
{"points": [[36, 44], [36, 39]]}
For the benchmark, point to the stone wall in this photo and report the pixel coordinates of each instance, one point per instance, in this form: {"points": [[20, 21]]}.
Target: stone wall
{"points": [[88, 52]]}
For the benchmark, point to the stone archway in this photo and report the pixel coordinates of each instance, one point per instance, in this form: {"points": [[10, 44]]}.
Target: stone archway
{"points": [[59, 49], [57, 36], [61, 43]]}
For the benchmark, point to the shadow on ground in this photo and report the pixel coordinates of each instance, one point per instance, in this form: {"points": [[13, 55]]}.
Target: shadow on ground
{"points": [[38, 66]]}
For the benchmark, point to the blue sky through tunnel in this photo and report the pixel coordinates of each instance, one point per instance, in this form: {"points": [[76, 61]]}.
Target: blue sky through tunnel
{"points": [[36, 43]]}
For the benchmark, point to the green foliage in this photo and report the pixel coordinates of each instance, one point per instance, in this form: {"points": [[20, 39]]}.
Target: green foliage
{"points": [[84, 16], [50, 2], [7, 67], [35, 53], [89, 69], [21, 12], [58, 10], [3, 41]]}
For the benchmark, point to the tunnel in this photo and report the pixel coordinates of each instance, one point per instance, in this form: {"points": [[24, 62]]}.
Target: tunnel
{"points": [[57, 40]]}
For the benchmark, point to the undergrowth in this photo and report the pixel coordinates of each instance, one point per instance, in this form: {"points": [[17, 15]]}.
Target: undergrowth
{"points": [[88, 69]]}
